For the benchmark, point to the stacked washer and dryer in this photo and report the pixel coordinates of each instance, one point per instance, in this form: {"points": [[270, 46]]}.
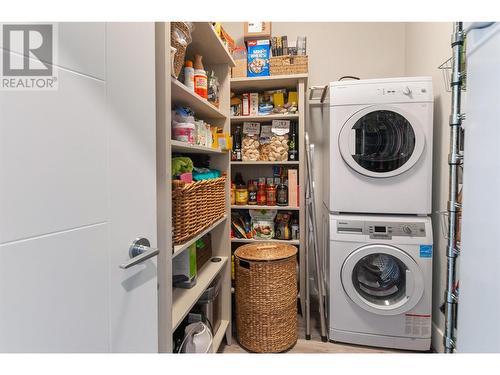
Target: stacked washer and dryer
{"points": [[377, 198]]}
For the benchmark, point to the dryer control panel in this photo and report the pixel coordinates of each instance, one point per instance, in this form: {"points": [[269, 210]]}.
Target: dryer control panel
{"points": [[381, 229]]}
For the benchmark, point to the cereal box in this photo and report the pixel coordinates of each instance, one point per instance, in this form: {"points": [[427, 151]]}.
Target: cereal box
{"points": [[258, 58]]}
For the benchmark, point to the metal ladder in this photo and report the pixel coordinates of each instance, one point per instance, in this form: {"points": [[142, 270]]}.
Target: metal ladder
{"points": [[313, 243]]}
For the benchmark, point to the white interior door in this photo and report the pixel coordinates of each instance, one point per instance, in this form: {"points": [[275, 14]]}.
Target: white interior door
{"points": [[77, 186]]}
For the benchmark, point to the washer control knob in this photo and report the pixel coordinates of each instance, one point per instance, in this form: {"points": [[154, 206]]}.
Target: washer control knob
{"points": [[407, 91], [406, 229]]}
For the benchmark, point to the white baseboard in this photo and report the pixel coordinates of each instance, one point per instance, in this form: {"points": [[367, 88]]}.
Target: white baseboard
{"points": [[437, 339]]}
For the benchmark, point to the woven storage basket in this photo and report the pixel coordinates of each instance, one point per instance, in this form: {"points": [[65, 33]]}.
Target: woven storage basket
{"points": [[280, 65], [266, 296], [180, 54], [196, 206]]}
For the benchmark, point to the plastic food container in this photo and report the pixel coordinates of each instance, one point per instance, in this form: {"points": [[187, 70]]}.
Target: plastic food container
{"points": [[184, 132]]}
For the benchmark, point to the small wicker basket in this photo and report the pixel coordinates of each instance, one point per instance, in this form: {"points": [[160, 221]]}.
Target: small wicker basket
{"points": [[290, 64], [196, 206], [266, 296], [180, 53]]}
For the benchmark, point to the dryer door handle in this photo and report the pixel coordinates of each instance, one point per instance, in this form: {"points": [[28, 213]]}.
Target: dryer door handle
{"points": [[410, 285]]}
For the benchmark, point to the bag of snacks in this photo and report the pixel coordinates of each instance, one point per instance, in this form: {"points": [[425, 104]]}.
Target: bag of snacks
{"points": [[250, 143], [279, 141], [265, 142], [283, 231], [263, 223]]}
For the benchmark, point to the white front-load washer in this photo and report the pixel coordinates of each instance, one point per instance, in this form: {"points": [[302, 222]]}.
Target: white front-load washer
{"points": [[379, 152], [380, 281]]}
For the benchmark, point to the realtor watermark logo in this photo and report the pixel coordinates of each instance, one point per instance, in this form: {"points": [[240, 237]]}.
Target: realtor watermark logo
{"points": [[29, 54]]}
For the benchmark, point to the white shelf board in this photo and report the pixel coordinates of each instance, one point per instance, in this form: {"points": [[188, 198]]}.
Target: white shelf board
{"points": [[207, 43], [184, 299], [219, 335], [178, 146], [253, 240], [286, 162], [180, 248], [257, 207], [181, 95], [239, 119], [248, 84]]}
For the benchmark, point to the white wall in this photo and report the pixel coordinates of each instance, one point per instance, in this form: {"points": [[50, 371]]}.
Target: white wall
{"points": [[427, 46]]}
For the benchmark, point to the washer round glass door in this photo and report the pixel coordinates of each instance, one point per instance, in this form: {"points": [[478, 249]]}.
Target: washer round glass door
{"points": [[381, 141], [382, 279]]}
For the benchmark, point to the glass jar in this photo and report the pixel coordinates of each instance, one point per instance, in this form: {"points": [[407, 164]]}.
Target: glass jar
{"points": [[295, 229], [271, 195], [282, 194], [241, 195], [261, 194], [233, 193]]}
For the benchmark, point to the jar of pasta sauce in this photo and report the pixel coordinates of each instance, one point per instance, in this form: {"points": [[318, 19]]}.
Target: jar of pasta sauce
{"points": [[261, 194], [271, 195]]}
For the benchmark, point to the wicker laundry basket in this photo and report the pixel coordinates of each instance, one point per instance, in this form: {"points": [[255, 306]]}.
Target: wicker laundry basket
{"points": [[266, 296]]}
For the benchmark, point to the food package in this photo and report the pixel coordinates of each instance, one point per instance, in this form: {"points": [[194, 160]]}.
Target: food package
{"points": [[245, 104], [240, 61], [250, 143], [293, 190], [236, 105], [265, 142], [258, 58], [279, 140], [254, 104], [257, 29], [240, 225], [283, 231], [263, 223], [201, 133]]}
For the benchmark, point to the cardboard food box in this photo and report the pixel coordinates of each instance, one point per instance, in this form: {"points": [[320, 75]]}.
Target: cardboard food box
{"points": [[239, 69], [293, 191], [260, 30], [254, 104], [258, 58], [245, 98]]}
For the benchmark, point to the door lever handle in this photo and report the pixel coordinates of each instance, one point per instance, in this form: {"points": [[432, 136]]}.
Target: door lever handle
{"points": [[139, 251]]}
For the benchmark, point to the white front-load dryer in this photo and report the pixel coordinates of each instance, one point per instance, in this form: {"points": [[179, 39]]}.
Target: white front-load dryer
{"points": [[380, 281], [379, 152]]}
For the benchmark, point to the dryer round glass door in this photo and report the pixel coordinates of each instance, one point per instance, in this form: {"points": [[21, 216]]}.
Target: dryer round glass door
{"points": [[382, 279], [381, 141]]}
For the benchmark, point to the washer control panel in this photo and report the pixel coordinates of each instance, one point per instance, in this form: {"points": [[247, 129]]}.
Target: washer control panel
{"points": [[381, 229]]}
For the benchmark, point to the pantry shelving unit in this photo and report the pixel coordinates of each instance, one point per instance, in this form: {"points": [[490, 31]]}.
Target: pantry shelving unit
{"points": [[254, 169], [252, 240], [180, 248], [186, 148], [184, 299], [286, 162], [175, 303], [183, 96], [254, 207], [240, 119]]}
